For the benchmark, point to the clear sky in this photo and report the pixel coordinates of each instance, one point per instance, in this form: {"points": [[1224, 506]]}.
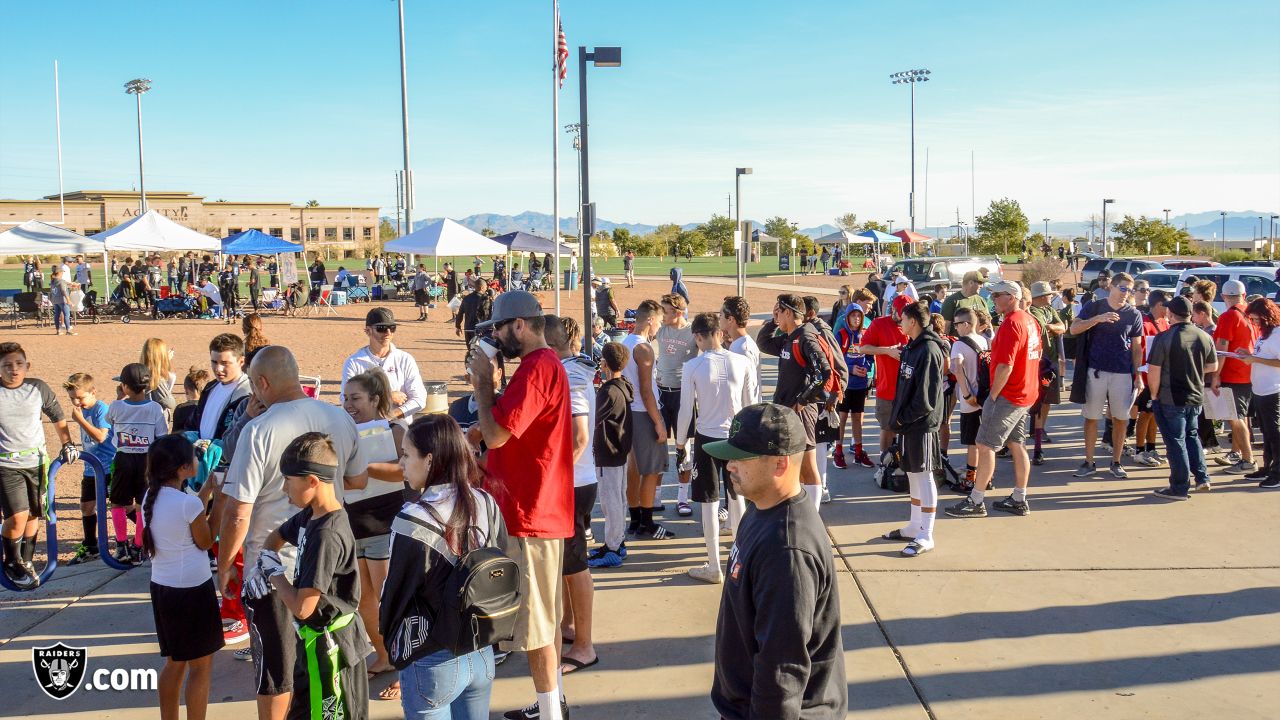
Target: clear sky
{"points": [[1158, 104]]}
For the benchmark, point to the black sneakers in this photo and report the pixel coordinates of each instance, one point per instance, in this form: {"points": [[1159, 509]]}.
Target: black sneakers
{"points": [[967, 508], [1009, 505], [532, 712]]}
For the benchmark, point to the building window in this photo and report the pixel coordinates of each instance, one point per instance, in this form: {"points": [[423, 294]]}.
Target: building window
{"points": [[232, 231], [313, 234], [348, 234], [294, 235], [276, 232], [330, 234], [367, 233]]}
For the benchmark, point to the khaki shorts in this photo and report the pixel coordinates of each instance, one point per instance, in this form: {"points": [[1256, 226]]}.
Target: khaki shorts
{"points": [[541, 562]]}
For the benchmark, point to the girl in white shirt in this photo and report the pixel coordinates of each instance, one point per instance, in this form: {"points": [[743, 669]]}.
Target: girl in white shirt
{"points": [[176, 535], [1264, 370]]}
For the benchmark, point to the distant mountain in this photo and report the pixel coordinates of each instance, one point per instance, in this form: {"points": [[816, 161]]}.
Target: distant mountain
{"points": [[540, 224]]}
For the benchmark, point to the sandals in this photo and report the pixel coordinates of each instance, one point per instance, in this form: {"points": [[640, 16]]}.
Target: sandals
{"points": [[575, 665], [896, 535], [915, 549], [390, 692]]}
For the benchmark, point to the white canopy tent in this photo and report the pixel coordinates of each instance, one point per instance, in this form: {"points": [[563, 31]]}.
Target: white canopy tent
{"points": [[37, 238], [839, 237], [445, 238], [155, 232]]}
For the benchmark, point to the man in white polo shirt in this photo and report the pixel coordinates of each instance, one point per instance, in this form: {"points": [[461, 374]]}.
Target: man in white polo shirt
{"points": [[408, 395]]}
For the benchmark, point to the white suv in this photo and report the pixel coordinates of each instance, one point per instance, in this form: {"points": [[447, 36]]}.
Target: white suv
{"points": [[1257, 280]]}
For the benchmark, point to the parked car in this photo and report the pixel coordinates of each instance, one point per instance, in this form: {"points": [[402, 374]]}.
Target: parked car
{"points": [[1257, 280], [1090, 271], [1255, 263], [925, 273], [1166, 280], [1184, 264]]}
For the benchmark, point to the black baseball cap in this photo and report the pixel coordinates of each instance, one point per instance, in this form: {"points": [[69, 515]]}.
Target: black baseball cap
{"points": [[1190, 280], [1179, 306], [761, 429], [380, 316]]}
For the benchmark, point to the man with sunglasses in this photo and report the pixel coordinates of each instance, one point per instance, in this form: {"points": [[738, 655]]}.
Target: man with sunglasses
{"points": [[1110, 326], [408, 394]]}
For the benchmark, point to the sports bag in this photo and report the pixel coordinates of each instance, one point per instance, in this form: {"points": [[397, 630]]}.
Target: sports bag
{"points": [[984, 370]]}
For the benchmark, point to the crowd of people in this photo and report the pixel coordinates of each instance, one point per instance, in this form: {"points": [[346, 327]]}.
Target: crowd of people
{"points": [[340, 536]]}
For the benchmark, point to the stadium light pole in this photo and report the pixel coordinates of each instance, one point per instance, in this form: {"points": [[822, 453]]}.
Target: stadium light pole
{"points": [[1166, 216], [600, 57], [1272, 235], [1105, 250], [911, 77], [1223, 244], [743, 240], [1046, 230], [137, 87]]}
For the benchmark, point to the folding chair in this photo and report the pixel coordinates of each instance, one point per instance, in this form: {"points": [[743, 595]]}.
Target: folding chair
{"points": [[322, 301], [310, 385]]}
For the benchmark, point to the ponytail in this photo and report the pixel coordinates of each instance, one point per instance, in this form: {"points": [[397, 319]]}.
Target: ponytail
{"points": [[166, 457]]}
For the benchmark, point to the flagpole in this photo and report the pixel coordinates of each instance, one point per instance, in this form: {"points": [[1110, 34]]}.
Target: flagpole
{"points": [[555, 150]]}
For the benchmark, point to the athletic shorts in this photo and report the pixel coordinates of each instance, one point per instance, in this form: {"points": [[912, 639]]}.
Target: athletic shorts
{"points": [[1002, 424], [884, 412], [20, 491], [377, 547], [708, 474], [969, 424], [1143, 403], [89, 487], [1113, 390], [128, 479], [650, 457], [575, 548], [919, 451], [1243, 393], [1052, 394], [669, 406], [187, 622], [273, 643], [854, 400], [541, 562], [809, 418]]}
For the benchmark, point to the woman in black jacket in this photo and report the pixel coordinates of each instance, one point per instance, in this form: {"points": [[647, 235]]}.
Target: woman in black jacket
{"points": [[917, 415]]}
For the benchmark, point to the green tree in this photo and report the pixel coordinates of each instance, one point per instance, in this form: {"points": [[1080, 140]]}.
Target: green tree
{"points": [[313, 203], [626, 242], [1004, 224], [662, 241], [780, 228], [386, 231], [874, 225], [1132, 235], [848, 222], [718, 234], [691, 242], [488, 232]]}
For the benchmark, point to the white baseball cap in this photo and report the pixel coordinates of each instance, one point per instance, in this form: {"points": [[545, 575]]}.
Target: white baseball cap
{"points": [[1233, 287]]}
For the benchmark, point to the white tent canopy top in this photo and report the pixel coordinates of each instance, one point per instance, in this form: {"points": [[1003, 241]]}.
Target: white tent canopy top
{"points": [[839, 237], [446, 238], [155, 232], [36, 238]]}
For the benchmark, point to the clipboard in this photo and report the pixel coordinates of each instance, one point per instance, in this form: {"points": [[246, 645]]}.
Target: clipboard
{"points": [[1221, 406]]}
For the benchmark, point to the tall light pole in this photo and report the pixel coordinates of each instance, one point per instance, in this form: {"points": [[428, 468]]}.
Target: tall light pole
{"points": [[1046, 230], [1166, 216], [1223, 245], [1272, 235], [572, 129], [744, 241], [600, 57], [407, 185], [1105, 250], [911, 77], [136, 88]]}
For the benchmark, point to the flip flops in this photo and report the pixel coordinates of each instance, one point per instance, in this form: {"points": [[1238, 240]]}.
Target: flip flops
{"points": [[896, 535], [575, 665]]}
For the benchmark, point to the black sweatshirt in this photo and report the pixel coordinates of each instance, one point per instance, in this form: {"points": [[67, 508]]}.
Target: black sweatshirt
{"points": [[779, 655], [918, 405], [796, 384], [611, 441]]}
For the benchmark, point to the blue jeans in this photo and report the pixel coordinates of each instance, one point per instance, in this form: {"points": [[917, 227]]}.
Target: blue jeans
{"points": [[441, 686], [1179, 428], [62, 317]]}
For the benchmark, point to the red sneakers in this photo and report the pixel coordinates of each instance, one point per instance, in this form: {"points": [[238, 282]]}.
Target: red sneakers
{"points": [[838, 457], [860, 458]]}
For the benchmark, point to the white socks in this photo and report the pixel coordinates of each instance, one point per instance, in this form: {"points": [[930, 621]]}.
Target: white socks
{"points": [[822, 463], [682, 492], [549, 705], [711, 533], [737, 506], [928, 495], [815, 495], [913, 527]]}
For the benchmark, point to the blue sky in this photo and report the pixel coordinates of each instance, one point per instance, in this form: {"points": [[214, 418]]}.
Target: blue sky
{"points": [[1169, 104]]}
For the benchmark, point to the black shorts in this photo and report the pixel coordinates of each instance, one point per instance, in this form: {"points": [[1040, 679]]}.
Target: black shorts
{"points": [[854, 400], [89, 487], [669, 405], [1243, 393], [187, 622], [823, 431], [420, 298], [708, 474], [575, 548], [919, 451], [128, 479], [1143, 403], [969, 424], [20, 491], [273, 642], [809, 418]]}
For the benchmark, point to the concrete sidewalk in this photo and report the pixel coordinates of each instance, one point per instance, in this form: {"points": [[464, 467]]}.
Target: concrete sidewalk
{"points": [[1103, 603]]}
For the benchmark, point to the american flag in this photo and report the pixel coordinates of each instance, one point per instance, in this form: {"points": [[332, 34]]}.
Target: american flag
{"points": [[562, 49]]}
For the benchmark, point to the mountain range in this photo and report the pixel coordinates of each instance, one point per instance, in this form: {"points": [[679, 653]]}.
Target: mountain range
{"points": [[1241, 225]]}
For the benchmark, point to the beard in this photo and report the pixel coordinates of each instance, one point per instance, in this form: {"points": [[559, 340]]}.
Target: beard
{"points": [[510, 349]]}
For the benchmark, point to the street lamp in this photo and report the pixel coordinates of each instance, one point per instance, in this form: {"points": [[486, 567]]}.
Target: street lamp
{"points": [[890, 227], [1166, 216], [137, 87], [911, 77], [600, 57], [1046, 230], [1223, 244], [743, 240], [1105, 203]]}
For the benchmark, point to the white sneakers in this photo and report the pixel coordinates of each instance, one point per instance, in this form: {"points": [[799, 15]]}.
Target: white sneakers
{"points": [[706, 574]]}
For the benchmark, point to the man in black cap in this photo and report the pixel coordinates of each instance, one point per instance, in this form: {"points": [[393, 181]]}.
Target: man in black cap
{"points": [[408, 394], [1180, 358], [1187, 282], [778, 647]]}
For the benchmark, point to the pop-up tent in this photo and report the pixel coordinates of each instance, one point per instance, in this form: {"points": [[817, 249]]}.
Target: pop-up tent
{"points": [[912, 237], [839, 237], [875, 236], [445, 238], [256, 242], [155, 232], [528, 242], [36, 238]]}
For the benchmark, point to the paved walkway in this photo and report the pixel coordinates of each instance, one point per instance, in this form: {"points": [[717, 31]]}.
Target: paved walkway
{"points": [[1103, 603]]}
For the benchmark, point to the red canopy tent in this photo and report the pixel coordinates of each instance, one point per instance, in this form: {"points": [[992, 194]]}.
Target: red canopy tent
{"points": [[909, 237]]}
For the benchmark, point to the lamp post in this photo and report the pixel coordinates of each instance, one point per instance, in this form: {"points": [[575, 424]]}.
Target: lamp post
{"points": [[1272, 235], [1046, 230], [136, 88], [1105, 250], [600, 57], [911, 77], [407, 185], [1223, 244], [1166, 216], [743, 240]]}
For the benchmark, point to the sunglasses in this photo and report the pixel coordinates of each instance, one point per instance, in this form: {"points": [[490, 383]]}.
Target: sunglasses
{"points": [[501, 324], [963, 322], [1125, 289], [995, 295], [384, 328]]}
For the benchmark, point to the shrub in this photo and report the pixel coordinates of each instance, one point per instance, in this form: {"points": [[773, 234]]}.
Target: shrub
{"points": [[1227, 256], [1042, 270]]}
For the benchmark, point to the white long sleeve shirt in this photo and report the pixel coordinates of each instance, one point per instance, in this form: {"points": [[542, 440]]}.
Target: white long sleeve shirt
{"points": [[401, 370], [721, 383]]}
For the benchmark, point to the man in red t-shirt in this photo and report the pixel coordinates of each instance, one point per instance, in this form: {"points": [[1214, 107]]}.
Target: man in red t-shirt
{"points": [[1233, 334], [529, 435], [883, 340], [1015, 386]]}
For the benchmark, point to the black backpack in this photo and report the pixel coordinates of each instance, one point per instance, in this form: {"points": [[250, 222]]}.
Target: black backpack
{"points": [[984, 370], [485, 311], [481, 599]]}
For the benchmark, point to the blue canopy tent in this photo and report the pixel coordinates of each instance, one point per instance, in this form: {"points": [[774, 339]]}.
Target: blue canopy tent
{"points": [[877, 237], [256, 242], [526, 242]]}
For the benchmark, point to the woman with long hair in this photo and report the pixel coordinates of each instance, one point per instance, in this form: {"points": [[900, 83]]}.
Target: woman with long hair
{"points": [[251, 328], [158, 358], [1264, 366], [457, 516], [371, 509]]}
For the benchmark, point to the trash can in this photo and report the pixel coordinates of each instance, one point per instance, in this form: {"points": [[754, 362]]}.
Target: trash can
{"points": [[570, 280]]}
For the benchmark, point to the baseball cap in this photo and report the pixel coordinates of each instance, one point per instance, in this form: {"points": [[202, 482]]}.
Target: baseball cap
{"points": [[1233, 287], [1104, 273], [1006, 286], [513, 304], [1040, 289], [901, 302], [1190, 280], [379, 316], [902, 280], [1179, 306], [758, 430]]}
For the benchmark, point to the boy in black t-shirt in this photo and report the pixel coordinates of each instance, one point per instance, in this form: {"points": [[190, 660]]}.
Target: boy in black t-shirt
{"points": [[325, 590]]}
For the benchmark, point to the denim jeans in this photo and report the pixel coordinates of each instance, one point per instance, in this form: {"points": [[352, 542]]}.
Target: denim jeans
{"points": [[441, 686], [62, 317], [1178, 427], [1268, 407]]}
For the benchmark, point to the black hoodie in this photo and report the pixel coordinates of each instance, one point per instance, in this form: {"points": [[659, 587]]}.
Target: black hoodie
{"points": [[918, 405], [611, 441]]}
